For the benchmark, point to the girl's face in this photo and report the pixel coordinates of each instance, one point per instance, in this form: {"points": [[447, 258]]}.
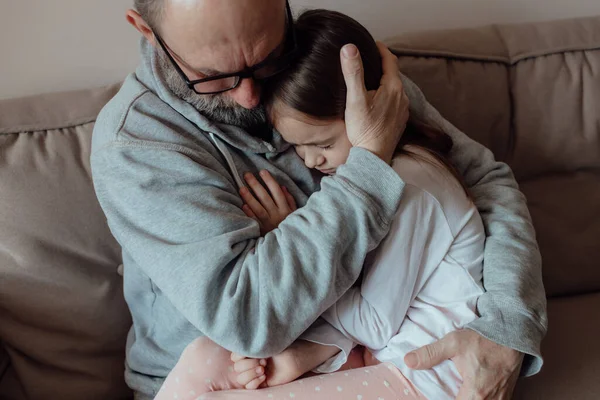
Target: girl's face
{"points": [[322, 144]]}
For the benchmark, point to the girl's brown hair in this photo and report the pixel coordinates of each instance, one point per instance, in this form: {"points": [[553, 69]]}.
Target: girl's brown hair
{"points": [[314, 84]]}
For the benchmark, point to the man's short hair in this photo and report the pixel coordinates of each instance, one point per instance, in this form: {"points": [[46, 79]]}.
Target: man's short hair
{"points": [[151, 11]]}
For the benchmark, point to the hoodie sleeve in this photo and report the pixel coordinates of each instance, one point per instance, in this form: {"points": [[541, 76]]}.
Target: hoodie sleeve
{"points": [[177, 214], [513, 308]]}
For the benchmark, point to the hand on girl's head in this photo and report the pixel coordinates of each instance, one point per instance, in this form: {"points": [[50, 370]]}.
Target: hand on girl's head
{"points": [[251, 371], [374, 122]]}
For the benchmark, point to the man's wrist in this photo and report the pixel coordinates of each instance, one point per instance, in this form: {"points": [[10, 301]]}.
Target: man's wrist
{"points": [[384, 154]]}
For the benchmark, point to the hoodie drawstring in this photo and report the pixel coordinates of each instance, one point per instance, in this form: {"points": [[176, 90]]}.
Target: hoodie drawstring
{"points": [[229, 159]]}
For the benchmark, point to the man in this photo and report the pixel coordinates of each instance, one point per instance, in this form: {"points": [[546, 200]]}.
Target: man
{"points": [[169, 153]]}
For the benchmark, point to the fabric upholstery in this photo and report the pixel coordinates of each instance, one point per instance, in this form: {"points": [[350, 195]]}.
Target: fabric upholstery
{"points": [[572, 353], [532, 95], [62, 313]]}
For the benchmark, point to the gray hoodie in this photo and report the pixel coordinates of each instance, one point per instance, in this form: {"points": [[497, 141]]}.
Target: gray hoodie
{"points": [[167, 179]]}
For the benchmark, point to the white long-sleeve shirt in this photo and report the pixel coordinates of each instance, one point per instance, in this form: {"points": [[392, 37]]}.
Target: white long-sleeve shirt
{"points": [[424, 279]]}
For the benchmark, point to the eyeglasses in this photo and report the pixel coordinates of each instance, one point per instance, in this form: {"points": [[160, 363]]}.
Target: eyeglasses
{"points": [[263, 70]]}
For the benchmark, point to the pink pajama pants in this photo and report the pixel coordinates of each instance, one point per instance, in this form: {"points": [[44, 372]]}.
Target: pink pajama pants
{"points": [[205, 372]]}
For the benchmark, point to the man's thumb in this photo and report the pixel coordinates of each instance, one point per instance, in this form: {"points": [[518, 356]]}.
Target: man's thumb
{"points": [[429, 356], [352, 67]]}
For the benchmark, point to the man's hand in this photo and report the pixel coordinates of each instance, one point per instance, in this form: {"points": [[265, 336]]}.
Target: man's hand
{"points": [[267, 209], [374, 120], [489, 370]]}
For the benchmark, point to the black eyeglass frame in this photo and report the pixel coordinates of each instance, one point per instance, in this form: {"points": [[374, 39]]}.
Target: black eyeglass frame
{"points": [[281, 62]]}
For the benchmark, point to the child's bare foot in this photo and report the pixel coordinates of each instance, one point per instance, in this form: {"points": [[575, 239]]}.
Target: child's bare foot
{"points": [[292, 363], [251, 371], [277, 370]]}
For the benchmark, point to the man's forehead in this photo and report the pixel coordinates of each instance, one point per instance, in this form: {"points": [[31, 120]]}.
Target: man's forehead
{"points": [[214, 19], [218, 34]]}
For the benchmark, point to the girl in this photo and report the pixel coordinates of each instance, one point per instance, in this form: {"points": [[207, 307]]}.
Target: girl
{"points": [[421, 283]]}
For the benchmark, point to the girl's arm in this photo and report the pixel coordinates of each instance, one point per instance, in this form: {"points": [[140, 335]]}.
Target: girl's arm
{"points": [[418, 240]]}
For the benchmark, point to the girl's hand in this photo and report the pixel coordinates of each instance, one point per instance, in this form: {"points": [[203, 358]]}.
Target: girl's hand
{"points": [[267, 209]]}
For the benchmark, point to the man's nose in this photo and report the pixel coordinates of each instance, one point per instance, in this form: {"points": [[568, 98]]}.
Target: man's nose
{"points": [[247, 94]]}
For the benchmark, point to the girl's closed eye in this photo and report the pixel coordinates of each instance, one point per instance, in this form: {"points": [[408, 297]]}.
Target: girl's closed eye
{"points": [[327, 147]]}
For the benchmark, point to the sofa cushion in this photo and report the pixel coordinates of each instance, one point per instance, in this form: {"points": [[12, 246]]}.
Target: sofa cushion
{"points": [[571, 350], [63, 318], [11, 387], [448, 85], [555, 113], [565, 209], [531, 93], [4, 360]]}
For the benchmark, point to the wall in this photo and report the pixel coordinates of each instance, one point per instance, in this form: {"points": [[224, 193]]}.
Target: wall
{"points": [[50, 45]]}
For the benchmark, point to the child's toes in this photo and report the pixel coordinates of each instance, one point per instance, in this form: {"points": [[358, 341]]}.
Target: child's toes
{"points": [[256, 383], [246, 364], [247, 377]]}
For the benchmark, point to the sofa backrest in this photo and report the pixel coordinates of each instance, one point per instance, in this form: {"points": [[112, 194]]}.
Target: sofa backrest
{"points": [[531, 93], [63, 319]]}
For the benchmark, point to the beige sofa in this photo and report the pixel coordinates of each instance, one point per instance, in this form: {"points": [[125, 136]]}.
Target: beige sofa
{"points": [[529, 92]]}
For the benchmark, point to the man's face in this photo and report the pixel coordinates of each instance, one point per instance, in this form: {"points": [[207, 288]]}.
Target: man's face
{"points": [[209, 37]]}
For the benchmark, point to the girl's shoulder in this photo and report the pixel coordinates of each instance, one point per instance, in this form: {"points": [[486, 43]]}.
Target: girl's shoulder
{"points": [[426, 175]]}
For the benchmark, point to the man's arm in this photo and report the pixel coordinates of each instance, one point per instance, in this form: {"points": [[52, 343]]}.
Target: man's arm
{"points": [[179, 217], [513, 309]]}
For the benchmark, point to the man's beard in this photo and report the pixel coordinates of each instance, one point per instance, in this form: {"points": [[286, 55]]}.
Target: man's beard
{"points": [[216, 107]]}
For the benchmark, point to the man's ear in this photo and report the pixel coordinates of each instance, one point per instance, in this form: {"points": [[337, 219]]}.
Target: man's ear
{"points": [[136, 20]]}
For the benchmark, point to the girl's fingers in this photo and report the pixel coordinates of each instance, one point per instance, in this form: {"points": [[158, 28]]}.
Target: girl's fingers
{"points": [[248, 211], [254, 205], [261, 193], [290, 199], [275, 189]]}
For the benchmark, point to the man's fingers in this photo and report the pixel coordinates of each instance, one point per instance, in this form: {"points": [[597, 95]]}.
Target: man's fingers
{"points": [[466, 391], [431, 355], [352, 67], [406, 103], [389, 62]]}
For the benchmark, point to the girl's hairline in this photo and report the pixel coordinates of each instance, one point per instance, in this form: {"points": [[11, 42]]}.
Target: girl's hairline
{"points": [[274, 111]]}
